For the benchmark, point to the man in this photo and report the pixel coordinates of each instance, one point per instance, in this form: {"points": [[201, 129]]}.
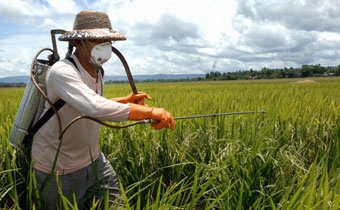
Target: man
{"points": [[73, 164]]}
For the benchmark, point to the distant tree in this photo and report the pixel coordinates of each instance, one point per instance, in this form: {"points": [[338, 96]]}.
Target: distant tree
{"points": [[306, 71], [291, 72], [266, 72], [337, 71]]}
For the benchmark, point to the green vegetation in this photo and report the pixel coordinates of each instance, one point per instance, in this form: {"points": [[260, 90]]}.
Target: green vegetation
{"points": [[267, 73], [12, 84], [287, 158]]}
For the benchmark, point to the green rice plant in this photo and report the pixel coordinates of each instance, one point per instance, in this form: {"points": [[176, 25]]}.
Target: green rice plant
{"points": [[311, 190], [287, 158]]}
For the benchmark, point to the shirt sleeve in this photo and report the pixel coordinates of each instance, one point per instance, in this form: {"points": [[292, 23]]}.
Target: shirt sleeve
{"points": [[68, 85]]}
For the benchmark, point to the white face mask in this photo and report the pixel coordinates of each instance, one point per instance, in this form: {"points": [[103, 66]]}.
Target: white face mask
{"points": [[101, 53]]}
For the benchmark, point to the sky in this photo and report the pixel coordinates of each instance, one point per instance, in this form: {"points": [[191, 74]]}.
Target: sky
{"points": [[181, 36]]}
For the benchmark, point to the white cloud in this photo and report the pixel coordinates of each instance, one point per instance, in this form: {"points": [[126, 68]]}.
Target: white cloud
{"points": [[174, 36]]}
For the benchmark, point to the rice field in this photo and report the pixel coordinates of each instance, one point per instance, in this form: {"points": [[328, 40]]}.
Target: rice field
{"points": [[287, 158]]}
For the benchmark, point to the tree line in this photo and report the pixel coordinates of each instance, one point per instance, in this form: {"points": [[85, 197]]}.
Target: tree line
{"points": [[267, 73], [12, 84]]}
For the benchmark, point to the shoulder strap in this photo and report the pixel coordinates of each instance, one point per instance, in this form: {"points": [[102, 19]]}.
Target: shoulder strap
{"points": [[73, 62], [50, 112], [101, 70]]}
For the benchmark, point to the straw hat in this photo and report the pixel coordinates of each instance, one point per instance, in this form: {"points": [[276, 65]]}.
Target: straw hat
{"points": [[92, 25]]}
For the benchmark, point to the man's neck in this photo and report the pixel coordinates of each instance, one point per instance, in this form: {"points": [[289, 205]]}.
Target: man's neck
{"points": [[89, 67]]}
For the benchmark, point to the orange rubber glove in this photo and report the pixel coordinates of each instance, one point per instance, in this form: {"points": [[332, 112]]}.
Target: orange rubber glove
{"points": [[163, 119], [133, 98]]}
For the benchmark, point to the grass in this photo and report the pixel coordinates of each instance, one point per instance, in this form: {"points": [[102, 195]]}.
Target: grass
{"points": [[287, 158]]}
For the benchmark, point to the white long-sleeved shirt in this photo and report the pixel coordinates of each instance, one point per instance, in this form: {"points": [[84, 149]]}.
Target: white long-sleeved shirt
{"points": [[82, 94]]}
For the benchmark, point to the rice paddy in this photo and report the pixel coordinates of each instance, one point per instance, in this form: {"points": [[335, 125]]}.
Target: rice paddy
{"points": [[287, 158]]}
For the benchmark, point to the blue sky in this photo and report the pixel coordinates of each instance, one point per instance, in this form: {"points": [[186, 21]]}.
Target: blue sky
{"points": [[182, 36]]}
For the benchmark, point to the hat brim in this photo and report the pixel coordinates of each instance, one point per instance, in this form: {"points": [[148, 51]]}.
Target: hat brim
{"points": [[93, 34]]}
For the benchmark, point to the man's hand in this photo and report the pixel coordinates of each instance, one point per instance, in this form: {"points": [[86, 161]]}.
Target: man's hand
{"points": [[159, 116], [133, 98]]}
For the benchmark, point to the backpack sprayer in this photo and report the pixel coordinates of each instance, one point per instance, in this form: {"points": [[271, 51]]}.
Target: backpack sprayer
{"points": [[34, 99]]}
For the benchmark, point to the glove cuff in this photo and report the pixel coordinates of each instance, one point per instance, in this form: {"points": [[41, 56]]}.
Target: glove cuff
{"points": [[139, 112]]}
